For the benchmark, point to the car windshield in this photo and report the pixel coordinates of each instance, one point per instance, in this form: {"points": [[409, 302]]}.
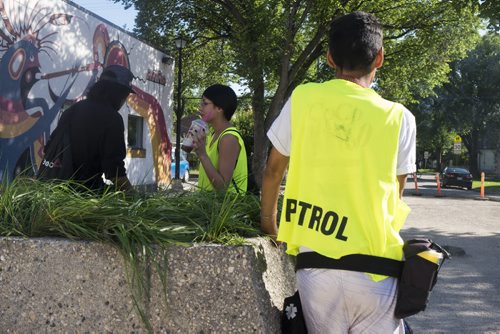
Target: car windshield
{"points": [[458, 170]]}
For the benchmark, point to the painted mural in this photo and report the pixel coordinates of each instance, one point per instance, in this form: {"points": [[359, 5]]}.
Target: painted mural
{"points": [[51, 52]]}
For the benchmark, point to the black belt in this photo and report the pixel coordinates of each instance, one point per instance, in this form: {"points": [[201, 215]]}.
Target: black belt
{"points": [[354, 262]]}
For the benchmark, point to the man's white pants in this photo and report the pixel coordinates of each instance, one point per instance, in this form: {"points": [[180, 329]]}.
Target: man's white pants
{"points": [[341, 301]]}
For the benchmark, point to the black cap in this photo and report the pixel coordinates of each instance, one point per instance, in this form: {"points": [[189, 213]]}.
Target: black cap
{"points": [[118, 74]]}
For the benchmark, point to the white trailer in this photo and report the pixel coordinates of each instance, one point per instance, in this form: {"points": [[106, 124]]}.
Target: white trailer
{"points": [[51, 52]]}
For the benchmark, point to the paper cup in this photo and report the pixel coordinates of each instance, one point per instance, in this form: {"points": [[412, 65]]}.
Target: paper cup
{"points": [[197, 126]]}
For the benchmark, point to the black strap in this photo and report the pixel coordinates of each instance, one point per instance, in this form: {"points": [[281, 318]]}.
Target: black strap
{"points": [[239, 134], [231, 130], [354, 262]]}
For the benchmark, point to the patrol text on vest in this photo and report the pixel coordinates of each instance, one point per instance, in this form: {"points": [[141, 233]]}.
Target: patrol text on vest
{"points": [[321, 221]]}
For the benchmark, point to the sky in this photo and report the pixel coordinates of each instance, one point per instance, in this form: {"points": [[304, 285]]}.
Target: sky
{"points": [[113, 12]]}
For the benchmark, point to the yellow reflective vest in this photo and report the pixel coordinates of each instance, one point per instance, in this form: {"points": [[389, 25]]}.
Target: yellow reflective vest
{"points": [[240, 173], [342, 194]]}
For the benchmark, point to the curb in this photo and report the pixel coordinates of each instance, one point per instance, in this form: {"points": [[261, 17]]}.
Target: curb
{"points": [[411, 192]]}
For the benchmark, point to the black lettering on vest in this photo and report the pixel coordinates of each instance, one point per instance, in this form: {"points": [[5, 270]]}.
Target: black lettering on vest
{"points": [[316, 214], [340, 232], [333, 225], [329, 221], [304, 207], [291, 207]]}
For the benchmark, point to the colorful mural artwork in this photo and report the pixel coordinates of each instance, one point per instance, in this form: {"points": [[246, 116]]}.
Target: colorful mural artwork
{"points": [[43, 72]]}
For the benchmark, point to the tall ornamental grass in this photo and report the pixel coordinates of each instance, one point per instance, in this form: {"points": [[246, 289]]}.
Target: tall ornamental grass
{"points": [[30, 208]]}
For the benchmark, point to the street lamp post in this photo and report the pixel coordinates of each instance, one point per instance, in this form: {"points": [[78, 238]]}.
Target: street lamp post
{"points": [[180, 43]]}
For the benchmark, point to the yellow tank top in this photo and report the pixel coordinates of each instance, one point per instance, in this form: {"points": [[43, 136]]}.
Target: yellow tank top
{"points": [[240, 174], [341, 195]]}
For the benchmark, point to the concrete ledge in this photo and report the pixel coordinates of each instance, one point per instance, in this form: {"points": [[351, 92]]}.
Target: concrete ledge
{"points": [[56, 285]]}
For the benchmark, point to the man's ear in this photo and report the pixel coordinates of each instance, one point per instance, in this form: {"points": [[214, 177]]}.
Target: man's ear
{"points": [[379, 58], [329, 60]]}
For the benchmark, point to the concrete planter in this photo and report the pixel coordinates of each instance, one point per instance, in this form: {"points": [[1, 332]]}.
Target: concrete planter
{"points": [[56, 285]]}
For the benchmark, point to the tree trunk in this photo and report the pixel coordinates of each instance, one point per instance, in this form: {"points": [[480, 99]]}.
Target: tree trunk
{"points": [[261, 143], [439, 155], [473, 150], [497, 158]]}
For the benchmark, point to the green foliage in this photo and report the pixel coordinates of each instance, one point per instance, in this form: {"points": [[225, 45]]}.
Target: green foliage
{"points": [[227, 37], [271, 46], [469, 104], [472, 94], [418, 55], [204, 58], [490, 10], [433, 133]]}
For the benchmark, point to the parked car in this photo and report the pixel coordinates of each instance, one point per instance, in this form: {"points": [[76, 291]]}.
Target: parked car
{"points": [[184, 169], [456, 176]]}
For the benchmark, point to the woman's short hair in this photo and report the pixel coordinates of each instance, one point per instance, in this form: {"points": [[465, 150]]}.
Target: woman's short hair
{"points": [[223, 97]]}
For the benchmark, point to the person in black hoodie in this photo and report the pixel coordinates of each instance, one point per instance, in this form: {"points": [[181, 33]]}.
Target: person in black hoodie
{"points": [[96, 131]]}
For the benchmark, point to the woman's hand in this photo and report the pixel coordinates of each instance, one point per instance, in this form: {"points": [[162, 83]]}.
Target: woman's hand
{"points": [[199, 142]]}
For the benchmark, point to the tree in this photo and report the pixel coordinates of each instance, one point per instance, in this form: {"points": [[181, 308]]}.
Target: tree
{"points": [[470, 101], [433, 133], [271, 46], [490, 10]]}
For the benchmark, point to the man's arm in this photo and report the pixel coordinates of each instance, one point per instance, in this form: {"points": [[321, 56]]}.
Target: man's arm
{"points": [[406, 162], [273, 175]]}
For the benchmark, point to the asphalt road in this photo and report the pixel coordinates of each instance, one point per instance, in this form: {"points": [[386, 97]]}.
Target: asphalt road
{"points": [[466, 298]]}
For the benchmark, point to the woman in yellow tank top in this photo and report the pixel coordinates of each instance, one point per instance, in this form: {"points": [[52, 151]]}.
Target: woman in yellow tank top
{"points": [[223, 160]]}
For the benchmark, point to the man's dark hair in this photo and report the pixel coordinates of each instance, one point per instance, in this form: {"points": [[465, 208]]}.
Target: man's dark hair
{"points": [[354, 41], [223, 97], [108, 92]]}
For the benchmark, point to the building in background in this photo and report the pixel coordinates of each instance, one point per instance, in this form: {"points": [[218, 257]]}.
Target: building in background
{"points": [[51, 52]]}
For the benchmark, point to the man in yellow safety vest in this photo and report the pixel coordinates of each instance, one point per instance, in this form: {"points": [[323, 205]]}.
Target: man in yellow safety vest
{"points": [[348, 152]]}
